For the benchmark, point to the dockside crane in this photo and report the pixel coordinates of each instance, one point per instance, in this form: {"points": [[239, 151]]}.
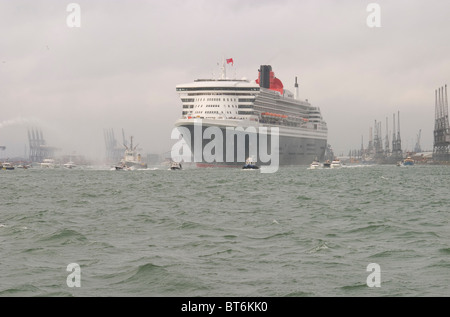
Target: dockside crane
{"points": [[418, 148]]}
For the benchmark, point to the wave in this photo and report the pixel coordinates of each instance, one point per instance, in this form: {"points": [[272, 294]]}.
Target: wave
{"points": [[21, 290], [134, 274], [445, 250], [150, 279], [441, 264], [190, 225], [322, 245], [272, 236], [146, 271], [300, 197], [404, 254], [64, 236], [227, 251], [414, 234], [298, 294], [371, 228], [355, 287]]}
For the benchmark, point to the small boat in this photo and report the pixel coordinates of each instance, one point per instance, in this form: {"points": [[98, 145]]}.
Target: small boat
{"points": [[122, 167], [7, 166], [23, 166], [336, 163], [48, 163], [327, 163], [250, 164], [70, 165], [175, 166], [314, 165], [408, 161]]}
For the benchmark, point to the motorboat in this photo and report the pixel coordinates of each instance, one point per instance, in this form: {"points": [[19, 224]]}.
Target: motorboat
{"points": [[22, 166], [69, 165], [175, 166], [250, 164], [408, 161], [7, 166], [336, 163], [314, 165], [327, 164], [48, 163]]}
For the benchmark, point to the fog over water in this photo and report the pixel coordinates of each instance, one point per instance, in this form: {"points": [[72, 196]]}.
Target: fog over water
{"points": [[120, 68]]}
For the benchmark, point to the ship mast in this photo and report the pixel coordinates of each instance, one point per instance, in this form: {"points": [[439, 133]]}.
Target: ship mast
{"points": [[224, 69]]}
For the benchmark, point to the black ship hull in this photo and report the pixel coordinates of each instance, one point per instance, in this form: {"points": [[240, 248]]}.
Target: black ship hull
{"points": [[292, 150]]}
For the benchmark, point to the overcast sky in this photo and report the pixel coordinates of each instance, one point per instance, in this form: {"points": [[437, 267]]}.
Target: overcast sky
{"points": [[120, 68]]}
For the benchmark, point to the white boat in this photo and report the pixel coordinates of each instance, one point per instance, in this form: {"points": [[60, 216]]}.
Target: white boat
{"points": [[175, 166], [7, 166], [336, 163], [250, 164], [48, 163], [314, 165], [21, 166], [69, 165]]}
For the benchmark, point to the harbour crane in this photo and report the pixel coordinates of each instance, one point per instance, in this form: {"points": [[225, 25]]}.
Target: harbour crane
{"points": [[417, 148]]}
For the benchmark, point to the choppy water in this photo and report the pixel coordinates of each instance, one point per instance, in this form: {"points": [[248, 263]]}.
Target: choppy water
{"points": [[226, 232]]}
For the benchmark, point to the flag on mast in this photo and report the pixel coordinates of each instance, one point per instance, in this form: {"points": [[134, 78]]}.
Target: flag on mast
{"points": [[230, 60]]}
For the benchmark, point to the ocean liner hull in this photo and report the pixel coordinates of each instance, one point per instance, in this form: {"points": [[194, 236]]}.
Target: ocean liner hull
{"points": [[294, 147]]}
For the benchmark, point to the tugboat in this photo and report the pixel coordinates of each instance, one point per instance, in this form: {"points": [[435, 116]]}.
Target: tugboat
{"points": [[250, 164], [122, 167], [131, 159]]}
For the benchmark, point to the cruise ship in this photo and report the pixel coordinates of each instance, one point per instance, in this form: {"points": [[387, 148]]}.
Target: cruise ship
{"points": [[249, 109]]}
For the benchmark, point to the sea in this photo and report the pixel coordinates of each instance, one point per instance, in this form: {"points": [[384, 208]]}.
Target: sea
{"points": [[356, 231]]}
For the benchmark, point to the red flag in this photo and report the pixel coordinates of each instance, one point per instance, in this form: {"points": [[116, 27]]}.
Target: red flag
{"points": [[230, 60]]}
